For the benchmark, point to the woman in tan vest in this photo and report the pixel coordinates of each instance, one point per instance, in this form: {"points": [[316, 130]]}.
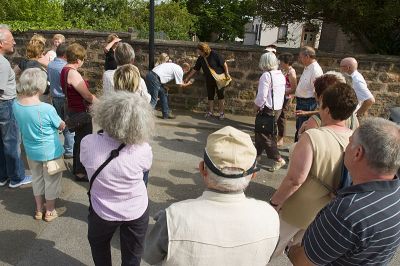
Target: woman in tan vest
{"points": [[316, 162]]}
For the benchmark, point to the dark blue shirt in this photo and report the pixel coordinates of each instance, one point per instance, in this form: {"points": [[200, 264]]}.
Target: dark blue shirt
{"points": [[361, 226]]}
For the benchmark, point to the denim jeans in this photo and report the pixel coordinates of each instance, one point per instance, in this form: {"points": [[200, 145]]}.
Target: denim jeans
{"points": [[156, 90], [305, 104], [11, 165], [58, 104]]}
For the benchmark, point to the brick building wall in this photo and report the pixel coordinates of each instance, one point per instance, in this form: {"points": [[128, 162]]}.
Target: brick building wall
{"points": [[381, 72]]}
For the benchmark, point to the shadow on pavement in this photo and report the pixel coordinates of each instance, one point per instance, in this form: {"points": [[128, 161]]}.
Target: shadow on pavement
{"points": [[43, 251]]}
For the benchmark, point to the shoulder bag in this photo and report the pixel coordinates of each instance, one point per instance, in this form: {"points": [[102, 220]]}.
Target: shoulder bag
{"points": [[221, 79], [114, 153], [77, 120], [265, 121]]}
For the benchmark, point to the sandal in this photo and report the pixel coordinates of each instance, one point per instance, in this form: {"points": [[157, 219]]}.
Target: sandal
{"points": [[50, 216], [38, 215]]}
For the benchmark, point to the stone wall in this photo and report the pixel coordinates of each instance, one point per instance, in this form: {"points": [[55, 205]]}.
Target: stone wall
{"points": [[381, 72]]}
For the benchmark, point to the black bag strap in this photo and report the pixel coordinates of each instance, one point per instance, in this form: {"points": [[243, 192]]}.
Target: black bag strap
{"points": [[114, 153]]}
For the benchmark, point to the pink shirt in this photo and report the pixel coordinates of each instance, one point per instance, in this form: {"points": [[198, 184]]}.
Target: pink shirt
{"points": [[118, 193]]}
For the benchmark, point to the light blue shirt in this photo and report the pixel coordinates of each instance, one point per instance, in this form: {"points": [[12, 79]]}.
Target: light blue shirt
{"points": [[54, 72], [39, 128]]}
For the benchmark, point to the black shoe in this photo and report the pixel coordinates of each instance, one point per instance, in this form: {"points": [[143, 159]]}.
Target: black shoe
{"points": [[68, 156]]}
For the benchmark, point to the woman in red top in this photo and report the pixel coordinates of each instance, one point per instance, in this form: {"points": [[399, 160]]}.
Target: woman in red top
{"points": [[78, 98]]}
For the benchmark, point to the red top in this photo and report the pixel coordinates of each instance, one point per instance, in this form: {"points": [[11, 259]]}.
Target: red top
{"points": [[75, 101]]}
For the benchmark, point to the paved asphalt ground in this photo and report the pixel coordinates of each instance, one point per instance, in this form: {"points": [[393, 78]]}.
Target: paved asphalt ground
{"points": [[177, 147]]}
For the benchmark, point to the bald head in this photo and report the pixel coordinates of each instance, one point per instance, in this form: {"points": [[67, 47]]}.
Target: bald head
{"points": [[348, 65]]}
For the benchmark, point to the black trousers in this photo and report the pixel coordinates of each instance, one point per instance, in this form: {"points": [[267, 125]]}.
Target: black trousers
{"points": [[132, 236], [268, 143]]}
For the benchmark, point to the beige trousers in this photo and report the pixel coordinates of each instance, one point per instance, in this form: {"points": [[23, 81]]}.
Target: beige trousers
{"points": [[43, 183], [289, 235]]}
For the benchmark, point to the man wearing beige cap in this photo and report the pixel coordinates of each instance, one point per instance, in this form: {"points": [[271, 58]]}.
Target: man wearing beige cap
{"points": [[222, 227]]}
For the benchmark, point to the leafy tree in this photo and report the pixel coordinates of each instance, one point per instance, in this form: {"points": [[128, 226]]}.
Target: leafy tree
{"points": [[225, 18], [171, 17], [374, 22]]}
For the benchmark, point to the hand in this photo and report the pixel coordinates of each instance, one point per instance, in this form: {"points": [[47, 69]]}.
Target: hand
{"points": [[61, 127], [301, 113], [116, 40], [227, 76]]}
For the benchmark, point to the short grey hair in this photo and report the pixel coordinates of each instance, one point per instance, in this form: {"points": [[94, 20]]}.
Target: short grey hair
{"points": [[380, 139], [308, 51], [227, 184], [3, 29], [125, 116], [124, 54], [268, 61], [338, 75], [32, 82]]}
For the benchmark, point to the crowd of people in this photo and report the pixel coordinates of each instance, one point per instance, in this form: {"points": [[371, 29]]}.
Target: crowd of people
{"points": [[313, 216]]}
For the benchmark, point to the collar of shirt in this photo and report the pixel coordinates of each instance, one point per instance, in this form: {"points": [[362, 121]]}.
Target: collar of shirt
{"points": [[384, 185]]}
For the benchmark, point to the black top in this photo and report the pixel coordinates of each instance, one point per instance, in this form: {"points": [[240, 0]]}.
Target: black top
{"points": [[28, 63], [215, 61], [359, 227], [110, 63]]}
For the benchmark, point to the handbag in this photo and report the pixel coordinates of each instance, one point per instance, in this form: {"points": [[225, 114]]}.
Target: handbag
{"points": [[265, 121], [55, 166], [78, 120], [221, 79]]}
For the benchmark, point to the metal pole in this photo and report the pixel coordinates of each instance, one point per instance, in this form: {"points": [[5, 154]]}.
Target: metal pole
{"points": [[151, 36]]}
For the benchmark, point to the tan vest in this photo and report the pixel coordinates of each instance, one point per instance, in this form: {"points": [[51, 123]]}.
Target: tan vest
{"points": [[301, 208], [221, 229]]}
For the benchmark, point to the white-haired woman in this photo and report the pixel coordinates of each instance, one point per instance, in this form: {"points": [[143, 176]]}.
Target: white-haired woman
{"points": [[118, 193], [268, 103], [39, 125]]}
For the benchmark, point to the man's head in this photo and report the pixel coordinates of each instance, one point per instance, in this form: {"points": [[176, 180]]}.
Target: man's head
{"points": [[307, 55], [185, 67], [348, 65], [375, 145], [61, 50], [229, 160], [7, 42], [124, 54]]}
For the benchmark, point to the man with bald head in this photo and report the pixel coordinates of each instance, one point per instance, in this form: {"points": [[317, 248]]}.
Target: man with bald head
{"points": [[11, 167], [365, 98]]}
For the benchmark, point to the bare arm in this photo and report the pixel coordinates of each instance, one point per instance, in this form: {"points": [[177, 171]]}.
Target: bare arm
{"points": [[310, 123], [298, 171], [293, 82], [305, 113], [76, 80], [365, 106], [110, 44], [61, 127], [226, 70], [17, 70], [191, 73], [298, 257]]}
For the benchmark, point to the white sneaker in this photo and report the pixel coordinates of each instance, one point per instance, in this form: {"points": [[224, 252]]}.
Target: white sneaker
{"points": [[26, 180], [277, 165]]}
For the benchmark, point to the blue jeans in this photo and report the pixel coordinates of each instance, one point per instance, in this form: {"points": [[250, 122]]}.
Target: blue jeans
{"points": [[156, 90], [11, 165], [305, 104], [58, 104]]}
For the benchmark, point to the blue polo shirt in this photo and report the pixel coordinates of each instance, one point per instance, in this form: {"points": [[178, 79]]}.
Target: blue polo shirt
{"points": [[361, 226], [39, 128], [54, 72]]}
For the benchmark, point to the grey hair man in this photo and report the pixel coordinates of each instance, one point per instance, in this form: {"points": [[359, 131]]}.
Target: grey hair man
{"points": [[124, 54], [305, 100], [365, 98], [222, 227], [361, 225], [11, 166]]}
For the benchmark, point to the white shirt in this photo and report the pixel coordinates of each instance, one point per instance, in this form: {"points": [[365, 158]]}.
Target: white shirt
{"points": [[264, 97], [108, 85], [169, 71], [51, 54], [361, 88], [305, 88]]}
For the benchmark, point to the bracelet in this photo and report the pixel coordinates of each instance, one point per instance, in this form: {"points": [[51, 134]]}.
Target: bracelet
{"points": [[273, 204]]}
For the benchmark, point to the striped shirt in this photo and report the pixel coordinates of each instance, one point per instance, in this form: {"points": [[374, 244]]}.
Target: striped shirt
{"points": [[360, 227]]}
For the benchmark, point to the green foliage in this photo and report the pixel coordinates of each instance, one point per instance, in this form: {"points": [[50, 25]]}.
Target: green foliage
{"points": [[225, 18], [171, 17], [374, 23]]}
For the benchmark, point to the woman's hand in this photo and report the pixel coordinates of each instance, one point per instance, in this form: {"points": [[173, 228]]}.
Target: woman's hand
{"points": [[61, 127]]}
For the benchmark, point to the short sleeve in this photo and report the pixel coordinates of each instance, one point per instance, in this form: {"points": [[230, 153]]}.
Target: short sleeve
{"points": [[55, 120], [178, 75], [328, 238], [197, 66]]}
